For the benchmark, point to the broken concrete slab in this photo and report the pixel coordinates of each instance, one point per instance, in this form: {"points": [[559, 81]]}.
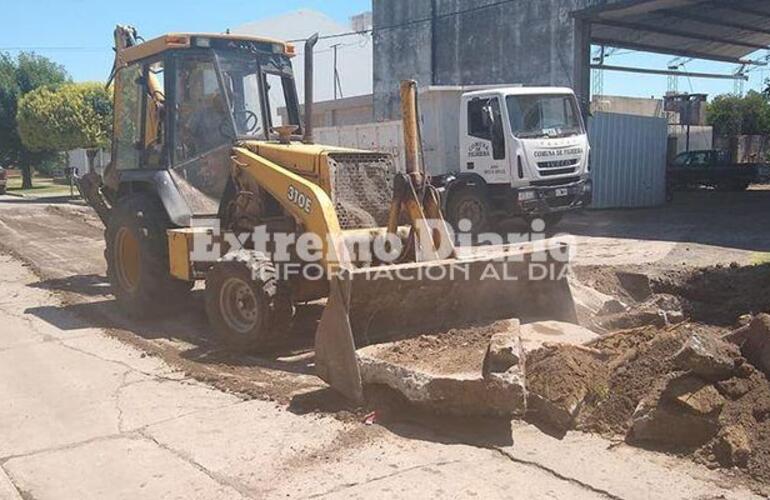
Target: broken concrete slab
{"points": [[466, 394], [662, 419], [756, 348], [536, 335], [707, 357], [504, 352], [590, 302], [695, 395], [734, 388], [659, 310]]}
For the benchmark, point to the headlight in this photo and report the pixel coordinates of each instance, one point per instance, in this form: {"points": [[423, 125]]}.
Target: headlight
{"points": [[526, 195], [588, 187]]}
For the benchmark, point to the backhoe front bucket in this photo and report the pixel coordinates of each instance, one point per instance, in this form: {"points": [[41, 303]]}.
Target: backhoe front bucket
{"points": [[378, 304]]}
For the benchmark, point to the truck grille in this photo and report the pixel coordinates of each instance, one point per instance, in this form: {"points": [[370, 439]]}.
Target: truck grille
{"points": [[362, 188], [558, 167]]}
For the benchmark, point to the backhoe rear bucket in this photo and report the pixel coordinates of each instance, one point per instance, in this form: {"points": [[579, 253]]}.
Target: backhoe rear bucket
{"points": [[378, 304]]}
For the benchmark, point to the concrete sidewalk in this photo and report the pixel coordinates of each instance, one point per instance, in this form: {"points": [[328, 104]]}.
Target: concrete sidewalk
{"points": [[84, 416]]}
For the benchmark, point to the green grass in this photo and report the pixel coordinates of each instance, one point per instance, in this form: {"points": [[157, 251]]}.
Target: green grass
{"points": [[42, 187]]}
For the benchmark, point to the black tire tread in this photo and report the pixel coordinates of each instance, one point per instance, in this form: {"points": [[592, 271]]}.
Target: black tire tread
{"points": [[262, 274], [159, 292]]}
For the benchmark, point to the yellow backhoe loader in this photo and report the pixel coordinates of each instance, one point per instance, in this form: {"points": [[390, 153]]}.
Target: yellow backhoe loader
{"points": [[210, 155]]}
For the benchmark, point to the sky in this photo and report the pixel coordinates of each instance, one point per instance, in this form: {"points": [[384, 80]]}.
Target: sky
{"points": [[78, 35]]}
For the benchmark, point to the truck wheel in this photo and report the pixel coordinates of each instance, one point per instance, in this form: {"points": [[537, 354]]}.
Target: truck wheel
{"points": [[469, 203], [137, 258], [243, 302]]}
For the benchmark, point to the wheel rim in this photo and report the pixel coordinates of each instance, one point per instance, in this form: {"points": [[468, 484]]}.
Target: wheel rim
{"points": [[472, 210], [128, 260], [239, 306]]}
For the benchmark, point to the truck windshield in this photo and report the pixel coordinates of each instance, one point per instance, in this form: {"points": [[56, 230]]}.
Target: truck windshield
{"points": [[544, 116]]}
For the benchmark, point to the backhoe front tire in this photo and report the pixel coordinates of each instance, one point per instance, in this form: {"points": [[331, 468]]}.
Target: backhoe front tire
{"points": [[137, 258], [243, 303]]}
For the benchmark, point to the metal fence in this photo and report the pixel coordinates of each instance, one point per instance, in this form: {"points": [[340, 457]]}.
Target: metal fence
{"points": [[628, 160]]}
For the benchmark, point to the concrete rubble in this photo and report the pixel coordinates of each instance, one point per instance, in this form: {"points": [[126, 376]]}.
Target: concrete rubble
{"points": [[733, 446], [536, 335], [659, 310], [754, 341], [659, 417], [496, 387], [707, 357]]}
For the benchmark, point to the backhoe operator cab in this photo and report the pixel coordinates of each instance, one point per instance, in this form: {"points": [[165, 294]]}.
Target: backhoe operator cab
{"points": [[196, 95]]}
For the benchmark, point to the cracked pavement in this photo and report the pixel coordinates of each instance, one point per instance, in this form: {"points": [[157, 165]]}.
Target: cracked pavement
{"points": [[83, 415]]}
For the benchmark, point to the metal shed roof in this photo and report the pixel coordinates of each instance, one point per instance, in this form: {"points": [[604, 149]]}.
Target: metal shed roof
{"points": [[723, 30]]}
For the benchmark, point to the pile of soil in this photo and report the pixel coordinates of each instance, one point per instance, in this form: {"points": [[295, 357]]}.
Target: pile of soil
{"points": [[639, 362], [638, 359], [560, 379], [460, 350], [719, 295]]}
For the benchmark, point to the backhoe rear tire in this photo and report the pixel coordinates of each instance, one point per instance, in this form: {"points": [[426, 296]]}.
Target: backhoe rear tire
{"points": [[244, 302], [137, 258]]}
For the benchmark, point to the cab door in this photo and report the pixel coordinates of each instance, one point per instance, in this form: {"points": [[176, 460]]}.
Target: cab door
{"points": [[484, 145]]}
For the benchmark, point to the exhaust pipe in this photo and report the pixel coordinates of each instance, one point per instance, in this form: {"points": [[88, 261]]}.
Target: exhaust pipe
{"points": [[307, 137]]}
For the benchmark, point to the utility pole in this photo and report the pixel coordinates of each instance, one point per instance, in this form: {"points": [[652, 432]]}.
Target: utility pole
{"points": [[597, 79], [337, 83]]}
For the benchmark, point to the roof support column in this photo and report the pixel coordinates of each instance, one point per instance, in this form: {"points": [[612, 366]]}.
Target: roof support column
{"points": [[581, 80]]}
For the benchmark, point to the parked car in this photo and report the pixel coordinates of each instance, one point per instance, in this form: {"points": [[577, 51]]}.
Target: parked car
{"points": [[711, 168], [3, 180]]}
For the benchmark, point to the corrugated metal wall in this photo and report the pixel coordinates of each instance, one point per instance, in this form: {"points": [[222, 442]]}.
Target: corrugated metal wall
{"points": [[628, 160]]}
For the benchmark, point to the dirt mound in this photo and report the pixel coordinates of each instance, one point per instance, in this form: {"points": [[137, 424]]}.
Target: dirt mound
{"points": [[748, 411], [652, 389], [560, 380], [639, 359], [719, 295]]}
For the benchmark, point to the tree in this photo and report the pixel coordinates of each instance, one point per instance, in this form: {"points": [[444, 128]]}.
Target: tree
{"points": [[69, 117], [725, 114], [18, 77], [756, 114], [732, 115]]}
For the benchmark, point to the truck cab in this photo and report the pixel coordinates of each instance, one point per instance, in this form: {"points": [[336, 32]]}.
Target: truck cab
{"points": [[523, 153]]}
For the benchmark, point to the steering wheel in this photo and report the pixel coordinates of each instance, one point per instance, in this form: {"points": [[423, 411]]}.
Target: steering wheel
{"points": [[250, 123]]}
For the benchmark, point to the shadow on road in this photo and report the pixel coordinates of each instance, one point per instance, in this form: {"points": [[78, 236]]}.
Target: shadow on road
{"points": [[43, 200], [90, 285], [732, 220], [185, 330]]}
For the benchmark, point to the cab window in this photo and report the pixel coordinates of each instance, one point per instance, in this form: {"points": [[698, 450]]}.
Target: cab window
{"points": [[203, 122], [128, 114], [154, 153]]}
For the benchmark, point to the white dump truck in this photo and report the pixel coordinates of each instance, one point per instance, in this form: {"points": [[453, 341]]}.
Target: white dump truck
{"points": [[496, 152]]}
